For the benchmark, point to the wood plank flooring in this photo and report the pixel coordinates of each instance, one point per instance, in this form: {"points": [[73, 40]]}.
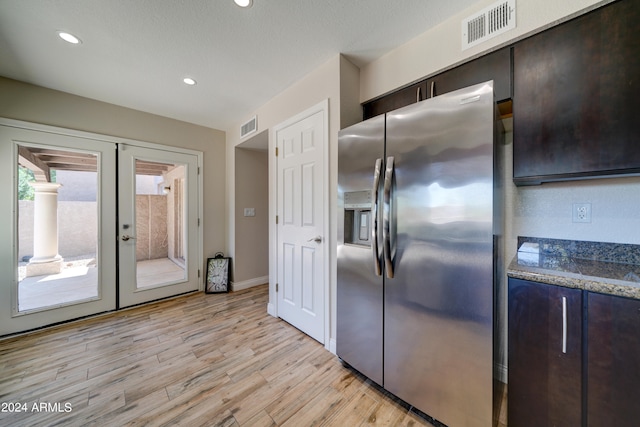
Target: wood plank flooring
{"points": [[198, 360]]}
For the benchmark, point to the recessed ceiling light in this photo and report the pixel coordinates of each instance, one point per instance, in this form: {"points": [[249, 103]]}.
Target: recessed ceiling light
{"points": [[244, 3], [70, 38], [189, 81]]}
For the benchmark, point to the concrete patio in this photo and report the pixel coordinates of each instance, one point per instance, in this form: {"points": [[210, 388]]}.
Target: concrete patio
{"points": [[79, 282]]}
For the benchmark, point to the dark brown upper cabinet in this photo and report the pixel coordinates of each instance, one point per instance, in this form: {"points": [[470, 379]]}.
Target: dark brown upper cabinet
{"points": [[398, 99], [576, 98], [494, 66]]}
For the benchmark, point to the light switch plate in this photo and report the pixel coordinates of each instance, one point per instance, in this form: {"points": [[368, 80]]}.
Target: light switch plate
{"points": [[249, 211]]}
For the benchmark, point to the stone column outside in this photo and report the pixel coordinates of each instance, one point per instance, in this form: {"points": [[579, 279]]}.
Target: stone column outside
{"points": [[46, 259]]}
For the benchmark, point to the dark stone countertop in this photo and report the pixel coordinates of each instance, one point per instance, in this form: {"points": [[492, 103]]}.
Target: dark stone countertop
{"points": [[560, 263]]}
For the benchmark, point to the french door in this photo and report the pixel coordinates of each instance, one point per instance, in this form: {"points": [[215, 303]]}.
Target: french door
{"points": [[158, 224], [92, 224]]}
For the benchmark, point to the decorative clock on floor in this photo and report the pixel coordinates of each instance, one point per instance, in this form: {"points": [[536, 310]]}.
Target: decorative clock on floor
{"points": [[217, 274]]}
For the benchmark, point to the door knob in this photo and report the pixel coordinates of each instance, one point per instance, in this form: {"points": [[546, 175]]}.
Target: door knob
{"points": [[316, 239], [126, 237]]}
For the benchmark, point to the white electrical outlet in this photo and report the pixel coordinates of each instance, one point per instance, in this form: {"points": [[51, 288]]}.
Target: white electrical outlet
{"points": [[249, 211], [582, 212]]}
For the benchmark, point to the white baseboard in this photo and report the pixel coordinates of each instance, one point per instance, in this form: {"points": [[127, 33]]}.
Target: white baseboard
{"points": [[271, 310], [332, 345], [246, 284]]}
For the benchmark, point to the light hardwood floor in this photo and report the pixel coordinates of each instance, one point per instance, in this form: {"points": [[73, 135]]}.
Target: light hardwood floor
{"points": [[202, 359]]}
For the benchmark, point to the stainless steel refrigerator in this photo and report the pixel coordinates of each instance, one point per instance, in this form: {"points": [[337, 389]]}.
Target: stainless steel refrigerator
{"points": [[419, 219]]}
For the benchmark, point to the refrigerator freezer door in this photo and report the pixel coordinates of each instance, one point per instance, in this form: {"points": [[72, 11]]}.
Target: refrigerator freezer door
{"points": [[359, 294], [439, 304]]}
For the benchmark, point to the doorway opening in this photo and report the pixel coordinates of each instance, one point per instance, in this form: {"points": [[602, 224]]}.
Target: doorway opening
{"points": [[251, 229]]}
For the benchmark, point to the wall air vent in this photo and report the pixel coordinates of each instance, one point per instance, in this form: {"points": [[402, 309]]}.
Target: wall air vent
{"points": [[249, 127], [488, 23]]}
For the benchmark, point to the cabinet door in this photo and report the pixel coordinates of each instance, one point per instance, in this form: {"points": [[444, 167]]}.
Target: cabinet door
{"points": [[401, 98], [495, 66], [545, 355], [613, 361], [577, 97]]}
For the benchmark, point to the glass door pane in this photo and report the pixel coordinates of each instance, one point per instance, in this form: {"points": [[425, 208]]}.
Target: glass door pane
{"points": [[57, 227], [158, 224], [58, 258]]}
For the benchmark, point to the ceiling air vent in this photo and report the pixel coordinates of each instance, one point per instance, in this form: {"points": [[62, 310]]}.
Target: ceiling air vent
{"points": [[488, 23], [249, 127]]}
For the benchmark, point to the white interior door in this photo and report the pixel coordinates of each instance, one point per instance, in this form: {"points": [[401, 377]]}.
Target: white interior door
{"points": [[58, 198], [301, 240], [158, 215]]}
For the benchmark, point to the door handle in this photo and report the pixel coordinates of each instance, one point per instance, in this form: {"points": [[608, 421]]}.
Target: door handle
{"points": [[374, 218], [316, 239], [126, 237], [386, 229], [564, 324]]}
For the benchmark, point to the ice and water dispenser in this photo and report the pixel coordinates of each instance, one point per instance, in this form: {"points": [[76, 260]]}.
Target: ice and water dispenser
{"points": [[357, 217]]}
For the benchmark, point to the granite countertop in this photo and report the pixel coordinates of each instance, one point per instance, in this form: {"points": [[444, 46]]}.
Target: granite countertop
{"points": [[606, 268]]}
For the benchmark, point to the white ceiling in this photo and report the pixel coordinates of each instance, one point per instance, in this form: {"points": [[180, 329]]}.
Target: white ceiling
{"points": [[134, 53]]}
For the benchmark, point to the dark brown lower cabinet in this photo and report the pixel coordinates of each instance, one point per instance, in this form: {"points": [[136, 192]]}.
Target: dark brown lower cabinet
{"points": [[613, 361], [545, 355]]}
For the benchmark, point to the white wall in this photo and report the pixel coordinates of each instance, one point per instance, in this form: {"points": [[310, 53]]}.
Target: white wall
{"points": [[546, 210]]}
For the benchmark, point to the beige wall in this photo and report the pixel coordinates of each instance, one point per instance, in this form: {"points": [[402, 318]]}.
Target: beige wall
{"points": [[251, 232], [151, 227], [22, 101], [74, 240]]}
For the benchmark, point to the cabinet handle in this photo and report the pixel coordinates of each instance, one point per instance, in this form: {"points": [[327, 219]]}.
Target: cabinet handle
{"points": [[418, 94], [564, 325], [433, 88]]}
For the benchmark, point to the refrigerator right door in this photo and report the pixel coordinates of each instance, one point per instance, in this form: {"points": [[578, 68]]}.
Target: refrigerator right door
{"points": [[438, 350]]}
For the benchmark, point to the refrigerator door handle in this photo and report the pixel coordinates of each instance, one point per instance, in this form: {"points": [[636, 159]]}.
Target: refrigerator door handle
{"points": [[374, 217], [386, 231]]}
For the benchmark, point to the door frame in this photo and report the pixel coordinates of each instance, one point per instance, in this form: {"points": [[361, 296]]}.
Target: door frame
{"points": [[56, 130], [129, 294], [272, 308]]}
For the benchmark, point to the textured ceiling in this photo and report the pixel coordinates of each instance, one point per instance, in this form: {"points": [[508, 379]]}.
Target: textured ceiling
{"points": [[135, 53]]}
